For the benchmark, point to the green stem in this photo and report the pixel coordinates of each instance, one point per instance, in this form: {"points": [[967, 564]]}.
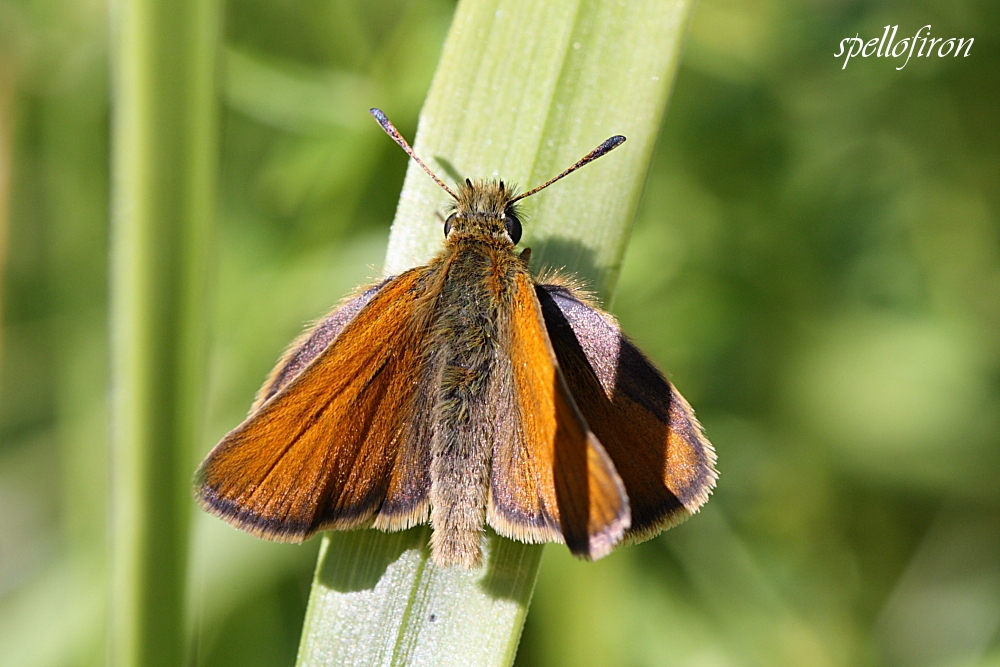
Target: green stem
{"points": [[164, 134], [522, 90]]}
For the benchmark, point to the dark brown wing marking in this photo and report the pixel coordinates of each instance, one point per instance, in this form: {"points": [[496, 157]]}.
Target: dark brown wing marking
{"points": [[646, 426]]}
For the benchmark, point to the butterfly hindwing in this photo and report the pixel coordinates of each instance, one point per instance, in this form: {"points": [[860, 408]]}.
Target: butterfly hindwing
{"points": [[551, 479], [334, 443], [648, 429]]}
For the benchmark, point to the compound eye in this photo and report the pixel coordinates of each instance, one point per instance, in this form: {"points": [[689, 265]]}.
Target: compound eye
{"points": [[513, 226], [447, 225]]}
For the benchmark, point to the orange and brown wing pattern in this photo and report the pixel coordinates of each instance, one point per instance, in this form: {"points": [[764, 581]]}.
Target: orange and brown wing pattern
{"points": [[551, 479], [334, 445], [316, 339], [646, 426]]}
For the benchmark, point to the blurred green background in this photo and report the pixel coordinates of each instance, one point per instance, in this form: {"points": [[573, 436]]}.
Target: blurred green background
{"points": [[816, 263]]}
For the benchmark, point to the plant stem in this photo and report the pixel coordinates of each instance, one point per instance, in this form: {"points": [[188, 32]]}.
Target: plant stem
{"points": [[523, 90], [164, 135]]}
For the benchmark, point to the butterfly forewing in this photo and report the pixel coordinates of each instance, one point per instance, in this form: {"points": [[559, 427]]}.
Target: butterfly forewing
{"points": [[309, 345], [551, 479], [334, 445], [646, 426]]}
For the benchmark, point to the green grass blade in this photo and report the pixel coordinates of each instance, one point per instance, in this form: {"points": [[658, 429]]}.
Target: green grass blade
{"points": [[164, 156], [523, 90]]}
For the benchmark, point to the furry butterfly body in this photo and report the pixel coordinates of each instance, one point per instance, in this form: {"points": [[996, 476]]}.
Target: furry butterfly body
{"points": [[463, 393]]}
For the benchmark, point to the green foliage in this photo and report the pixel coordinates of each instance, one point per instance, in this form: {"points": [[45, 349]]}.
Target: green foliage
{"points": [[814, 261], [163, 175]]}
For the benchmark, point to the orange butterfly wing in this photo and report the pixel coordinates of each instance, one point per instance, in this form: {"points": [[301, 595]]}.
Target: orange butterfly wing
{"points": [[646, 426], [309, 345], [551, 480], [335, 443]]}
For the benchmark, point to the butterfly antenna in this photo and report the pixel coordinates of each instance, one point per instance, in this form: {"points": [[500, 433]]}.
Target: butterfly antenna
{"points": [[391, 130], [609, 145]]}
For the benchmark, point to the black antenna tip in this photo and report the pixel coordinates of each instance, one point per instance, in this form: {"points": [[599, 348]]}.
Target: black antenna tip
{"points": [[611, 143], [379, 116]]}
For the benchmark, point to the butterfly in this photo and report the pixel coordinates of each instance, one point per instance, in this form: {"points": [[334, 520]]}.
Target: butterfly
{"points": [[465, 393]]}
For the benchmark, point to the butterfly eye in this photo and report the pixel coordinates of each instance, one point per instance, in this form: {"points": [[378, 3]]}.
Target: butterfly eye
{"points": [[513, 227], [447, 225]]}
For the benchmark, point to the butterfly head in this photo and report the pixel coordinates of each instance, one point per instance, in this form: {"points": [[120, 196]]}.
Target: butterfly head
{"points": [[484, 208]]}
